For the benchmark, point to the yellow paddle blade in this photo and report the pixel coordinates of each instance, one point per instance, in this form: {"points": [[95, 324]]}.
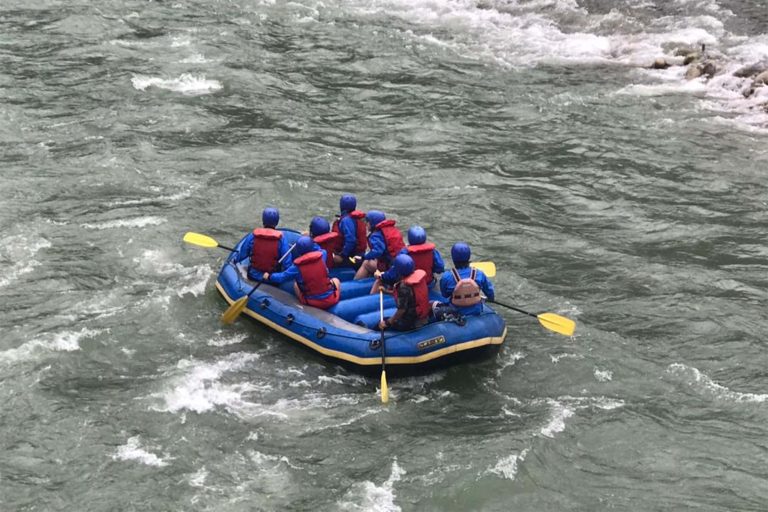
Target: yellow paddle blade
{"points": [[237, 307], [201, 240], [487, 267], [557, 323], [384, 388]]}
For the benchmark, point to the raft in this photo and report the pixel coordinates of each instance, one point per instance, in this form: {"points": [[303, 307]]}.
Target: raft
{"points": [[344, 333]]}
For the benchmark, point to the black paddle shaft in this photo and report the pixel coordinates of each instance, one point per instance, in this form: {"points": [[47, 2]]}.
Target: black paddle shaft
{"points": [[514, 308]]}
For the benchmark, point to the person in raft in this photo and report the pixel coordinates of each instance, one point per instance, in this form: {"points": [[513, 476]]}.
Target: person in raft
{"points": [[425, 256], [411, 297], [320, 231], [352, 233], [462, 286], [385, 242], [265, 246], [313, 286]]}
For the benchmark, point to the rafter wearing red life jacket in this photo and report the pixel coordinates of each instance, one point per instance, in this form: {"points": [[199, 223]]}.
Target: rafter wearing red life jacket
{"points": [[315, 284], [418, 283], [423, 258], [328, 242], [265, 254], [393, 240], [361, 232]]}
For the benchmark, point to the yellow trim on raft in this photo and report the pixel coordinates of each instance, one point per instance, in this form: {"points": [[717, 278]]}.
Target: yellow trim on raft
{"points": [[369, 361]]}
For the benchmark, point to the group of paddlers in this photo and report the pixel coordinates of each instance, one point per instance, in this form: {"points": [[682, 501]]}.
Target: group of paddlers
{"points": [[373, 245]]}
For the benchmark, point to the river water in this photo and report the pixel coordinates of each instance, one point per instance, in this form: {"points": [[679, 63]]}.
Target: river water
{"points": [[628, 199]]}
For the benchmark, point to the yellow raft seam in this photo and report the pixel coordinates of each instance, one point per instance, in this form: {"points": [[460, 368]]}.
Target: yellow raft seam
{"points": [[369, 361]]}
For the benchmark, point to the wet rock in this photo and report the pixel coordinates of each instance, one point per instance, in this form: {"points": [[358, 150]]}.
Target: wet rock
{"points": [[660, 63], [751, 70], [691, 57], [709, 69], [706, 69], [684, 52], [760, 79], [694, 71]]}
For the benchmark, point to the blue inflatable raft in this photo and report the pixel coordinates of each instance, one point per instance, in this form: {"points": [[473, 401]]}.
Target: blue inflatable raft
{"points": [[344, 333]]}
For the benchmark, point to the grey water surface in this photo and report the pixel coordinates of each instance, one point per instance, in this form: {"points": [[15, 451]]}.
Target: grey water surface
{"points": [[629, 199]]}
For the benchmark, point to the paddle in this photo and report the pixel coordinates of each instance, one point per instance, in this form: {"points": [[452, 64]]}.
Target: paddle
{"points": [[487, 267], [237, 307], [551, 321], [204, 241], [384, 388]]}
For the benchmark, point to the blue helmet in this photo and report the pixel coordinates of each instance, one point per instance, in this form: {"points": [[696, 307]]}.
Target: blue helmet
{"points": [[416, 235], [460, 253], [403, 265], [347, 203], [304, 245], [318, 226], [375, 216], [270, 217]]}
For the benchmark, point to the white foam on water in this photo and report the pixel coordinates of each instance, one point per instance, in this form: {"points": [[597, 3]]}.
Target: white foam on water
{"points": [[102, 304], [200, 282], [506, 467], [708, 5], [605, 403], [510, 360], [695, 87], [262, 459], [195, 58], [695, 378], [224, 340], [292, 184], [171, 198], [291, 371], [127, 43], [724, 93], [369, 497], [192, 280], [132, 450], [559, 413], [200, 390], [557, 357], [309, 406], [603, 375], [187, 84], [512, 33], [527, 34], [179, 41], [21, 249], [64, 341], [342, 379], [197, 479], [139, 222]]}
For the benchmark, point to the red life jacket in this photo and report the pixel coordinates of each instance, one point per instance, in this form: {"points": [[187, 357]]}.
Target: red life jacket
{"points": [[266, 249], [360, 230], [328, 241], [393, 240], [314, 273], [418, 282], [423, 257]]}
